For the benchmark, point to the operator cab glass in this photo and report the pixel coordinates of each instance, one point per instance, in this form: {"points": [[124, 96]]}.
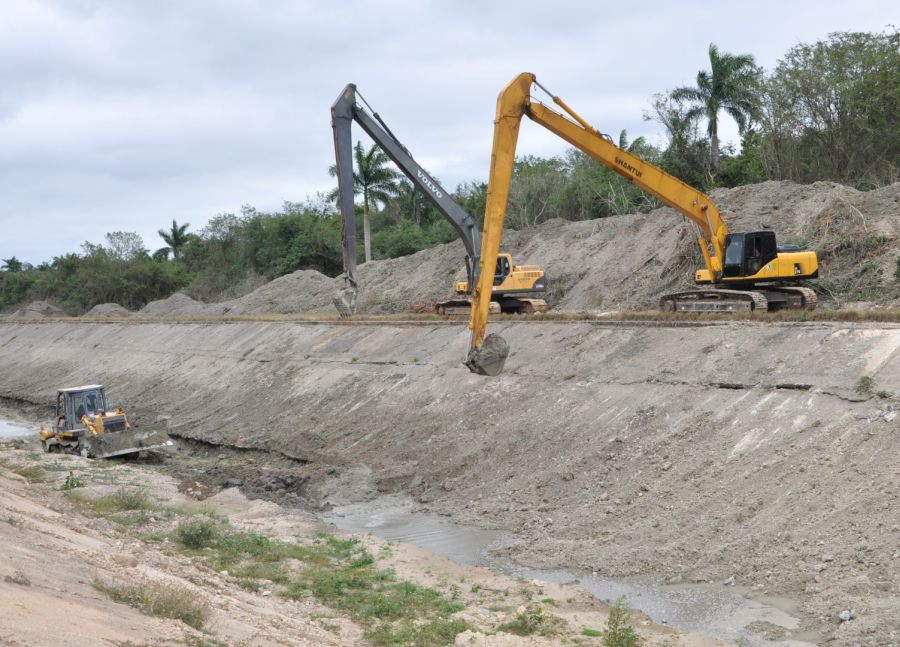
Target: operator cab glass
{"points": [[502, 271], [87, 403], [747, 253]]}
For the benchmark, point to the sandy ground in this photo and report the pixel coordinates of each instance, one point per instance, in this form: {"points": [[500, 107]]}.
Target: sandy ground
{"points": [[53, 554]]}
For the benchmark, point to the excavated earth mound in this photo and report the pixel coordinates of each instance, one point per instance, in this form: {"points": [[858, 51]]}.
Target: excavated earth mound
{"points": [[625, 262], [108, 310], [36, 310]]}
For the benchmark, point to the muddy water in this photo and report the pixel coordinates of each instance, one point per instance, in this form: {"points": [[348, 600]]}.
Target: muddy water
{"points": [[14, 427], [717, 610]]}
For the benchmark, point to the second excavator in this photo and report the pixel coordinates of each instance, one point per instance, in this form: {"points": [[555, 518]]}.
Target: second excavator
{"points": [[514, 288], [742, 271]]}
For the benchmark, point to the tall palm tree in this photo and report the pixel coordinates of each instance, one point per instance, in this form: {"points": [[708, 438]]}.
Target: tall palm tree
{"points": [[11, 265], [175, 238], [730, 85], [374, 180]]}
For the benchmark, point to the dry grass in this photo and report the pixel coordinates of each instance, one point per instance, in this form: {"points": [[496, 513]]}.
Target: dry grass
{"points": [[159, 599]]}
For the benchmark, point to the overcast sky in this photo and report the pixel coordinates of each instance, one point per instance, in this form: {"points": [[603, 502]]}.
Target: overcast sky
{"points": [[120, 115]]}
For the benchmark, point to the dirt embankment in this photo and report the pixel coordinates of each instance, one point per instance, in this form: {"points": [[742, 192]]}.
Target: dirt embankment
{"points": [[761, 452], [625, 262]]}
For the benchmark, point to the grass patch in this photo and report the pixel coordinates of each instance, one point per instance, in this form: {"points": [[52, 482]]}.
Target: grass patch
{"points": [[159, 599], [197, 532], [532, 620], [123, 500], [436, 632], [31, 473], [125, 506], [866, 387]]}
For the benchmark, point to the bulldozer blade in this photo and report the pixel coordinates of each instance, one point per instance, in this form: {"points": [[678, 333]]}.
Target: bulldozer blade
{"points": [[345, 301], [117, 443], [490, 358]]}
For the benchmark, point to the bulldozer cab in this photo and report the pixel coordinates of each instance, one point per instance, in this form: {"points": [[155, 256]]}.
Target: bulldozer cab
{"points": [[74, 403]]}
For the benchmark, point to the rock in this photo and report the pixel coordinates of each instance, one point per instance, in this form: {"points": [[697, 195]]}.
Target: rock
{"points": [[846, 615]]}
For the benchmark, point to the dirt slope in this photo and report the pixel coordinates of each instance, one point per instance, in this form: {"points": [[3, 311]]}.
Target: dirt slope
{"points": [[763, 452], [626, 262]]}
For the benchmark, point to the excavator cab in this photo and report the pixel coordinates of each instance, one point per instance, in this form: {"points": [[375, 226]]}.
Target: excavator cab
{"points": [[747, 253], [504, 267]]}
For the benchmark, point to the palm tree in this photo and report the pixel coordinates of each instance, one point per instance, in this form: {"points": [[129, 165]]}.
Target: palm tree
{"points": [[12, 265], [176, 238], [376, 181], [730, 85]]}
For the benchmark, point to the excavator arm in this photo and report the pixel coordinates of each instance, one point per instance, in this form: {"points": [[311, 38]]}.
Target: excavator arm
{"points": [[346, 110], [487, 354]]}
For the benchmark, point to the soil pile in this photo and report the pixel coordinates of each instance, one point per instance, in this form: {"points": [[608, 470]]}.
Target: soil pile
{"points": [[108, 310], [625, 262], [36, 310]]}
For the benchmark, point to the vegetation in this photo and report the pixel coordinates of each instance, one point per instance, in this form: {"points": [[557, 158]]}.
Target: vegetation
{"points": [[531, 620], [619, 630], [829, 110], [730, 85], [72, 481], [340, 573], [375, 181], [159, 599], [32, 473]]}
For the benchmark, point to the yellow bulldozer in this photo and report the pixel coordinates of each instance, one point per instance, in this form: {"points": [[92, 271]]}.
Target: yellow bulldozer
{"points": [[86, 425]]}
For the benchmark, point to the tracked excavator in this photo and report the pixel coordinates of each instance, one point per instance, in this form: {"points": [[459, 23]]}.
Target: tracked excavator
{"points": [[512, 286], [744, 271]]}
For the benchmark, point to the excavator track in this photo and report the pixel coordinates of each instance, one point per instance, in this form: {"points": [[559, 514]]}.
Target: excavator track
{"points": [[800, 298], [714, 300]]}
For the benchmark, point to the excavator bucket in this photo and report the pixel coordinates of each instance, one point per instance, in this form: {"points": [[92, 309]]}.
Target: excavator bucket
{"points": [[127, 441], [345, 301], [490, 357]]}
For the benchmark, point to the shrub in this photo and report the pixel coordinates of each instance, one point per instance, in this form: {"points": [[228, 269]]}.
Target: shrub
{"points": [[197, 532], [619, 630]]}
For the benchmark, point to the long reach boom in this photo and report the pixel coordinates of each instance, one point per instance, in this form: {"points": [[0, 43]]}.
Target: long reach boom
{"points": [[739, 260]]}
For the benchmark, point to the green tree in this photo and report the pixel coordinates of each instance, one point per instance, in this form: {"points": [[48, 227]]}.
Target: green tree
{"points": [[176, 238], [12, 265], [731, 85], [375, 181], [832, 111]]}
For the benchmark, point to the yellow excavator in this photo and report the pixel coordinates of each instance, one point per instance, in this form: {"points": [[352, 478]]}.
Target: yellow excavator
{"points": [[514, 288], [743, 271]]}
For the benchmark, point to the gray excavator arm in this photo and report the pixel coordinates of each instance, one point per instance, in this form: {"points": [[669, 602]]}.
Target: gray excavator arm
{"points": [[343, 112]]}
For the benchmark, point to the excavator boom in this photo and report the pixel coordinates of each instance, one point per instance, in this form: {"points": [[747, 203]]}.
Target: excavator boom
{"points": [[740, 260], [343, 112]]}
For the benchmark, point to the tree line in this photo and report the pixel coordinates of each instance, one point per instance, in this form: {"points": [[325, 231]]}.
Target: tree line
{"points": [[829, 110]]}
